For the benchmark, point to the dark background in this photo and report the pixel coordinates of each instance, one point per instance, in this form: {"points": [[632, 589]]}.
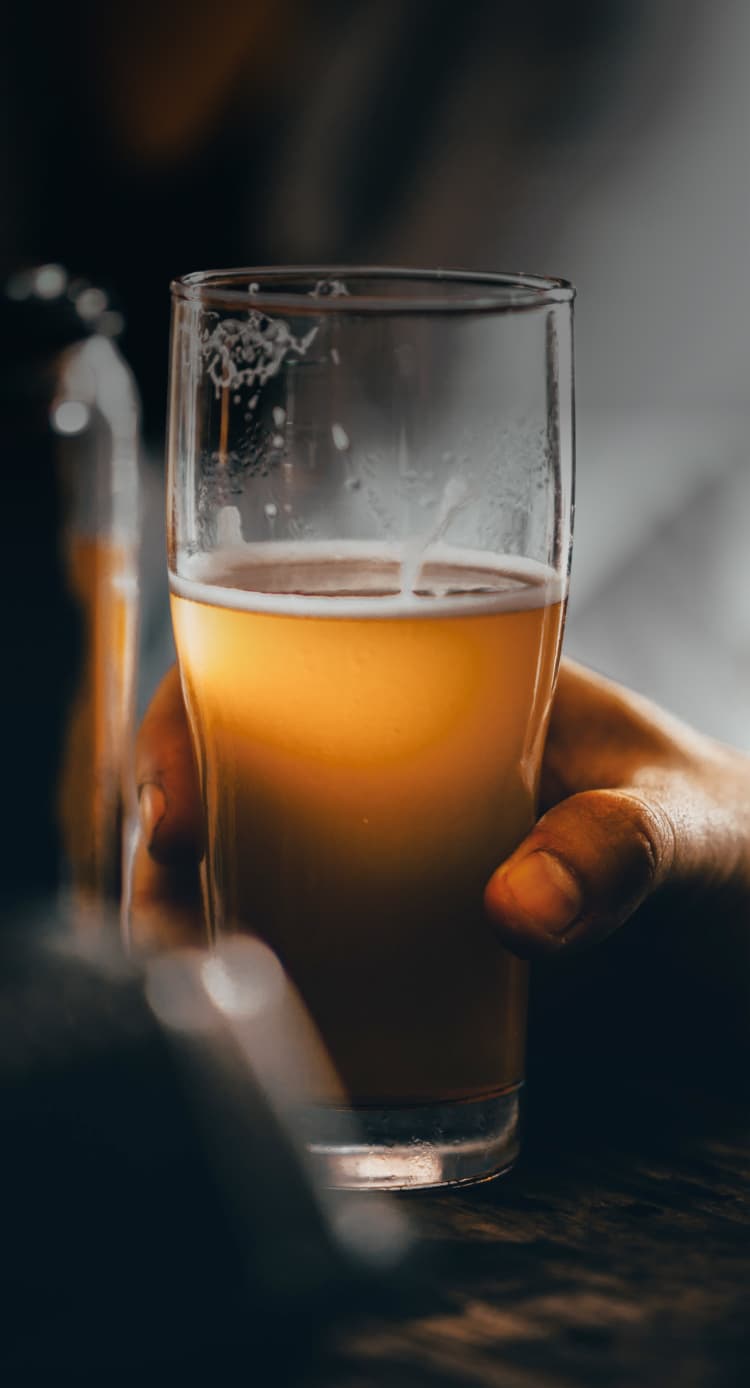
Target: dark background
{"points": [[147, 139], [606, 142]]}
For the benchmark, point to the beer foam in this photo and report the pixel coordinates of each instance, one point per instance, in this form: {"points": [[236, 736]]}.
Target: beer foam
{"points": [[347, 578]]}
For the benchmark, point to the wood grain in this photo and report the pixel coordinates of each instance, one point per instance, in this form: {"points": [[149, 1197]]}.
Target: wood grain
{"points": [[615, 1255]]}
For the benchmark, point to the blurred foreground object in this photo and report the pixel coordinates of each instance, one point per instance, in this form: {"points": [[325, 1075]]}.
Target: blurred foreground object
{"points": [[164, 1226], [70, 414]]}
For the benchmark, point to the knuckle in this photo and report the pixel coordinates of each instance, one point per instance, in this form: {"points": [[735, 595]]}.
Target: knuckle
{"points": [[650, 834]]}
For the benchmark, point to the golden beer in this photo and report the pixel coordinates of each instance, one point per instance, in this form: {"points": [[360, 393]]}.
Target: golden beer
{"points": [[367, 760]]}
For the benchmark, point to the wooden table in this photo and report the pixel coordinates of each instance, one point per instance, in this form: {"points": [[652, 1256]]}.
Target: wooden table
{"points": [[612, 1259]]}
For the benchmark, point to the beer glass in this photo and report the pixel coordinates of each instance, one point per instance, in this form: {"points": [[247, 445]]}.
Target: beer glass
{"points": [[369, 519]]}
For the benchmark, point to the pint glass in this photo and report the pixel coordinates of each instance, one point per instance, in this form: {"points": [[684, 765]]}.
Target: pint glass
{"points": [[369, 515]]}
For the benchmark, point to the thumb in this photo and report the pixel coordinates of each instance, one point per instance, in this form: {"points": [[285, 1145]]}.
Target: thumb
{"points": [[584, 868]]}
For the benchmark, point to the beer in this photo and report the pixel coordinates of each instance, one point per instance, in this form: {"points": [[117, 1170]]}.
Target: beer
{"points": [[367, 759]]}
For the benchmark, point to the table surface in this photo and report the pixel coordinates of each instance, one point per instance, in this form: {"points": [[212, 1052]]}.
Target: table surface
{"points": [[617, 1254]]}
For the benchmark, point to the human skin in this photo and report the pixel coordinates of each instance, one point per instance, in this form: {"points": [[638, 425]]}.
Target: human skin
{"points": [[635, 802]]}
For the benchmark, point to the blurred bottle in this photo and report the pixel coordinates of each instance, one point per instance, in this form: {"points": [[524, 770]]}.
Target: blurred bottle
{"points": [[69, 414]]}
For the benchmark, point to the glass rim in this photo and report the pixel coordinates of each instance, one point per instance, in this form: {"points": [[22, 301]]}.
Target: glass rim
{"points": [[487, 291]]}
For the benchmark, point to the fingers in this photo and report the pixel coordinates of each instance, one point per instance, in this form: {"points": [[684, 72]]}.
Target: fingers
{"points": [[585, 867], [637, 799], [168, 793], [165, 909], [601, 735]]}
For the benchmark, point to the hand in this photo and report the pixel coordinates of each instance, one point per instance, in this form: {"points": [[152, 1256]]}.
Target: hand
{"points": [[635, 802], [165, 895]]}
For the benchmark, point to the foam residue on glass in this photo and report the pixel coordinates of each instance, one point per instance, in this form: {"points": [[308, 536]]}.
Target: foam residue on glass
{"points": [[329, 289], [409, 499], [456, 494], [228, 528], [250, 351], [340, 437]]}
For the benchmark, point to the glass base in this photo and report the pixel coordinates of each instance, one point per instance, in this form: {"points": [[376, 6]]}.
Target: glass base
{"points": [[415, 1148]]}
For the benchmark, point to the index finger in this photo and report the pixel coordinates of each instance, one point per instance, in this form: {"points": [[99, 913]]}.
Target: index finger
{"points": [[601, 734], [168, 791]]}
